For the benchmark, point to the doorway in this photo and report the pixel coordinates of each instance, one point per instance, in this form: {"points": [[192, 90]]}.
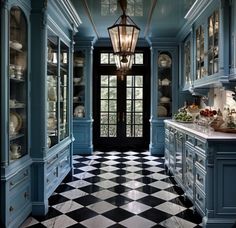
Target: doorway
{"points": [[121, 103]]}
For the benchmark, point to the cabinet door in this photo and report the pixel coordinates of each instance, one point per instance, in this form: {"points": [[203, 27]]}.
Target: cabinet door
{"points": [[79, 85], [18, 87], [164, 108], [200, 64], [213, 43], [52, 88], [187, 62]]}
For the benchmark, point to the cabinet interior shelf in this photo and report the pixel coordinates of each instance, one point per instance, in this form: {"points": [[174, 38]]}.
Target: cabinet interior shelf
{"points": [[17, 80], [13, 137]]}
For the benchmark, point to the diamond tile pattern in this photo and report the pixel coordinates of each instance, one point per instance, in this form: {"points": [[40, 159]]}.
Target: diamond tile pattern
{"points": [[118, 189]]}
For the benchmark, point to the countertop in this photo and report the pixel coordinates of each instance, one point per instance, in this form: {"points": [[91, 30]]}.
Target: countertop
{"points": [[202, 131]]}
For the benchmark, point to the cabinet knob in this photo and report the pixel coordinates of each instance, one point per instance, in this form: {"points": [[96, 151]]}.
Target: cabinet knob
{"points": [[11, 183], [11, 209]]}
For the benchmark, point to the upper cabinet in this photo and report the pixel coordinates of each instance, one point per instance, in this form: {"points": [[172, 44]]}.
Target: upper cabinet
{"points": [[79, 84], [18, 85], [210, 25], [187, 68], [57, 85], [164, 104]]}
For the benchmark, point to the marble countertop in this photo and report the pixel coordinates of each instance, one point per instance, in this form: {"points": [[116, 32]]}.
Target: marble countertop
{"points": [[202, 131]]}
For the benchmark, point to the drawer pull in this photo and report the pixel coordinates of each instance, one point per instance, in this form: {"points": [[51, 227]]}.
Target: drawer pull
{"points": [[54, 173], [200, 179], [26, 195], [52, 160], [11, 209], [199, 198], [47, 180]]}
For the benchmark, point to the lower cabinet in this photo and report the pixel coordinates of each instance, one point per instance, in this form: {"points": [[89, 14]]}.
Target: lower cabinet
{"points": [[204, 166]]}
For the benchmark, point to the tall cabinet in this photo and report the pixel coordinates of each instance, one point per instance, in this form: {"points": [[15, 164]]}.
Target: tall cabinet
{"points": [[164, 98], [53, 26], [15, 117], [82, 95]]}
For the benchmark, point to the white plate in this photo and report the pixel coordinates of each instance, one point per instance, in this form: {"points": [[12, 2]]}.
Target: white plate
{"points": [[161, 111], [79, 111], [16, 119], [164, 60]]}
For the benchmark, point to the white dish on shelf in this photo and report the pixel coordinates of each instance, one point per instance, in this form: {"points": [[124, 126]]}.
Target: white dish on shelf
{"points": [[15, 121], [165, 99], [16, 45], [161, 111], [79, 111], [164, 60], [165, 82]]}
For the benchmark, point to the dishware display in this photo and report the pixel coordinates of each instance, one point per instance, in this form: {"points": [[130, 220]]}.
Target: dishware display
{"points": [[16, 45], [165, 82], [12, 71], [78, 61], [161, 111], [164, 60], [15, 151], [49, 142], [52, 123], [79, 111], [15, 122], [52, 93], [164, 99], [77, 80]]}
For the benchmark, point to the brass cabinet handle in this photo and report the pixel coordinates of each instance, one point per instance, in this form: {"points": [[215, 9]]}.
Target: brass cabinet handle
{"points": [[11, 208]]}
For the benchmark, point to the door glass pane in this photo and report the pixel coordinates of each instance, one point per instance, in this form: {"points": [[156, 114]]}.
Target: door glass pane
{"points": [[108, 106], [134, 106]]}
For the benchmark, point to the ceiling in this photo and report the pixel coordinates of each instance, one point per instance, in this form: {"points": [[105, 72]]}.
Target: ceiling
{"points": [[156, 18]]}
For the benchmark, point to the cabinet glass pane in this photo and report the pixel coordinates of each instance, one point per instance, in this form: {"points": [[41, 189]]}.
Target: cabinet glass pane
{"points": [[187, 62], [213, 43], [52, 87], [79, 85], [200, 66], [18, 72], [64, 93], [164, 103]]}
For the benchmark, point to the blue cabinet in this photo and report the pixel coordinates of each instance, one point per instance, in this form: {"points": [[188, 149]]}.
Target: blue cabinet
{"points": [[54, 24], [210, 26], [82, 96], [15, 115], [164, 98], [208, 161]]}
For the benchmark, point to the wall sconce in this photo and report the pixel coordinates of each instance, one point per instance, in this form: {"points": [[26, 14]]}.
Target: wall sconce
{"points": [[124, 35]]}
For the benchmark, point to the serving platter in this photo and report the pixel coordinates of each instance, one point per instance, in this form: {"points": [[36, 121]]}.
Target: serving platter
{"points": [[16, 119]]}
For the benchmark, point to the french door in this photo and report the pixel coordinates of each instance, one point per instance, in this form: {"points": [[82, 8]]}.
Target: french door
{"points": [[121, 105]]}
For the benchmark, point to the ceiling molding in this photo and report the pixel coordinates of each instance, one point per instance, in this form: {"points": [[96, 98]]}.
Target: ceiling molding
{"points": [[88, 12], [151, 10]]}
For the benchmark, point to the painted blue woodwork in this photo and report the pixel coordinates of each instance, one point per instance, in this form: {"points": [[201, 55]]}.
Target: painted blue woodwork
{"points": [[15, 174], [207, 166], [82, 126], [50, 165], [156, 123]]}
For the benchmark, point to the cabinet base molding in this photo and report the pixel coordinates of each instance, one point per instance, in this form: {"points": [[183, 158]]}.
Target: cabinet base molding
{"points": [[218, 223], [39, 208], [157, 149], [83, 150]]}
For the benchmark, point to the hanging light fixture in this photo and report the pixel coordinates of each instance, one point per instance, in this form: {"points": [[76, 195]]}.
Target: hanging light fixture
{"points": [[124, 35], [121, 66]]}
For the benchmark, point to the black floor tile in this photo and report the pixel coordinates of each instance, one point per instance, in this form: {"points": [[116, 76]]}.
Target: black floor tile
{"points": [[190, 215], [63, 188], [148, 189], [91, 188], [87, 200], [118, 214], [120, 180], [94, 179], [51, 214], [155, 215], [81, 214], [56, 199], [119, 189], [118, 200], [151, 201]]}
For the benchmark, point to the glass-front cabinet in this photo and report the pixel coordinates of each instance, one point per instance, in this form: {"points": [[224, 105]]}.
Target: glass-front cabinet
{"points": [[57, 85], [200, 63], [79, 84], [164, 104], [18, 86], [213, 43], [187, 63]]}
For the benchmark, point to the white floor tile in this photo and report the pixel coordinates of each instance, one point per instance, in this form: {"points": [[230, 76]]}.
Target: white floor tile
{"points": [[165, 195], [104, 194], [106, 184], [101, 207], [73, 194], [98, 221], [161, 184], [177, 222], [170, 208], [61, 221], [134, 194], [133, 184], [135, 207], [67, 206], [137, 222]]}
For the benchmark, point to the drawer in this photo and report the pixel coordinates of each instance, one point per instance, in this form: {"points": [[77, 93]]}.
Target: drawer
{"points": [[52, 177], [189, 186], [167, 132], [189, 169], [19, 201], [200, 145], [200, 200], [64, 164], [200, 159], [189, 153], [20, 178], [200, 176], [190, 140], [51, 162]]}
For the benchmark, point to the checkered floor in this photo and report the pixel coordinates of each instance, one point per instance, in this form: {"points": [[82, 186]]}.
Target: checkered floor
{"points": [[114, 189]]}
